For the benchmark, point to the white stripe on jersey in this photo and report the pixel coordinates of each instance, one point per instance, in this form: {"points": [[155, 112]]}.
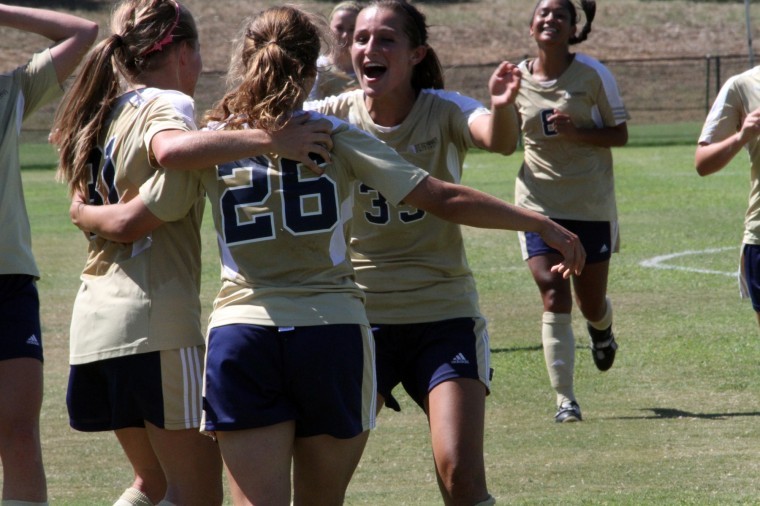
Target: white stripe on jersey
{"points": [[610, 87]]}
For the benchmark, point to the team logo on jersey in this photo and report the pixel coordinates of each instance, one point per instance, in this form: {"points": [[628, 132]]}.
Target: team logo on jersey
{"points": [[424, 146]]}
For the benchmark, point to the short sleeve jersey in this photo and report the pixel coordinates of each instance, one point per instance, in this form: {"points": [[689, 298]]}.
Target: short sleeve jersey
{"points": [[21, 92], [412, 264], [283, 232], [562, 178], [738, 97], [144, 296]]}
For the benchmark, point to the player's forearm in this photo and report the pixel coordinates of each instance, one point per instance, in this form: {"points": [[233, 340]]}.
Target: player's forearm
{"points": [[123, 223], [710, 158], [56, 26], [497, 132], [468, 206], [195, 150], [608, 137]]}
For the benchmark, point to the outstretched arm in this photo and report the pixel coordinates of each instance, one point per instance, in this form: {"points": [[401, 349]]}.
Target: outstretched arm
{"points": [[181, 150], [500, 131], [467, 206], [72, 36], [712, 157]]}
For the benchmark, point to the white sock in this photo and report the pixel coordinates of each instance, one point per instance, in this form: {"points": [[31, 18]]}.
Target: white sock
{"points": [[559, 353], [606, 320], [133, 497]]}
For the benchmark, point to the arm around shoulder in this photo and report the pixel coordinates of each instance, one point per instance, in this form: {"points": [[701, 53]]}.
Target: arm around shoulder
{"points": [[123, 223]]}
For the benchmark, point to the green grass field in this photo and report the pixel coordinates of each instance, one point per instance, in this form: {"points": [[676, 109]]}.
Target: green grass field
{"points": [[674, 422]]}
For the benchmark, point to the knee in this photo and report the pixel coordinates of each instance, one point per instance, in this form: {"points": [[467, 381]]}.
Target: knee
{"points": [[463, 484], [20, 437]]}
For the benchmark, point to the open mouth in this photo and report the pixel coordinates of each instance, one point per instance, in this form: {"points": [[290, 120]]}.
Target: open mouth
{"points": [[374, 70]]}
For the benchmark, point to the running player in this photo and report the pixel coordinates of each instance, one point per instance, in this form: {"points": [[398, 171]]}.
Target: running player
{"points": [[732, 124], [22, 91], [571, 114], [277, 393], [421, 295]]}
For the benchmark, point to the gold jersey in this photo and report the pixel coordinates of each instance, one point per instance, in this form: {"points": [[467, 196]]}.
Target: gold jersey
{"points": [[411, 264], [21, 92], [143, 296], [739, 96], [283, 231], [562, 178]]}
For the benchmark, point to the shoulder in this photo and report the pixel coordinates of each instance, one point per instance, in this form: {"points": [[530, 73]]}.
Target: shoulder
{"points": [[175, 102], [594, 65], [749, 79], [452, 103], [337, 125]]}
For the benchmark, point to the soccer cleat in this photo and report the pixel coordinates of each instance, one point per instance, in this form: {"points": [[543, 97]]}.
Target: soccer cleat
{"points": [[603, 347], [569, 411]]}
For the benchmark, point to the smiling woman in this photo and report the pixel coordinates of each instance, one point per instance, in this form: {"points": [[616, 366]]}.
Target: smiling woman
{"points": [[411, 264]]}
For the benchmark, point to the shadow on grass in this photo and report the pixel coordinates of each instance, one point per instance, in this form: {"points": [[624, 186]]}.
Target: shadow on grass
{"points": [[538, 347], [516, 349], [672, 413]]}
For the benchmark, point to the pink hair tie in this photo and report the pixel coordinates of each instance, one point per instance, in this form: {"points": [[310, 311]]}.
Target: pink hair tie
{"points": [[168, 38]]}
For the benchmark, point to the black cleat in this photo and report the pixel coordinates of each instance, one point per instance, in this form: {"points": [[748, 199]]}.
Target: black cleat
{"points": [[569, 411], [603, 347]]}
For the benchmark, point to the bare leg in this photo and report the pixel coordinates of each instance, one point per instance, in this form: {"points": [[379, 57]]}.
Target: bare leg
{"points": [[258, 464], [20, 449], [456, 412], [323, 467], [192, 465], [591, 290], [149, 477]]}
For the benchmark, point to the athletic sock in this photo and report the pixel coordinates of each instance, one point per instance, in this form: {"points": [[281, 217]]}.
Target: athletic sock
{"points": [[133, 497], [602, 326], [559, 353]]}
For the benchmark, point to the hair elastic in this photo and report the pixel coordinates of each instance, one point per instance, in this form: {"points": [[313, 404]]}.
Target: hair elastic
{"points": [[168, 38]]}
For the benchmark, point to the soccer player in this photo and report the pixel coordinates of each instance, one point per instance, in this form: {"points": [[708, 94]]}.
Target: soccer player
{"points": [[22, 91], [335, 71], [421, 295], [571, 114], [138, 306], [290, 366], [732, 124]]}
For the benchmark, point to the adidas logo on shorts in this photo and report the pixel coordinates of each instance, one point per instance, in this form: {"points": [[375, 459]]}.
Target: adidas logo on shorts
{"points": [[459, 359], [33, 340]]}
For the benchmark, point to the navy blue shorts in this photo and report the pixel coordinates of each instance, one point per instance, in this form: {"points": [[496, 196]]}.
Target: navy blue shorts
{"points": [[599, 239], [751, 260], [20, 317], [160, 387], [321, 377], [423, 355]]}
